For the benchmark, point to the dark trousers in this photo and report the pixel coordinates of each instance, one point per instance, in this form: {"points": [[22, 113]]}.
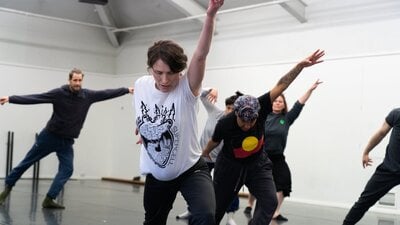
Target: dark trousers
{"points": [[234, 206], [197, 189], [381, 182], [45, 144], [230, 176]]}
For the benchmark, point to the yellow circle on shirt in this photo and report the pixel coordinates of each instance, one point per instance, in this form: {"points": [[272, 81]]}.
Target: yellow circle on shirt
{"points": [[249, 143]]}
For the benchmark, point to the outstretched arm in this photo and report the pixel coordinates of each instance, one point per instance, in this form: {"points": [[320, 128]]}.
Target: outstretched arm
{"points": [[197, 64], [287, 79], [3, 100], [374, 141], [101, 95], [303, 99]]}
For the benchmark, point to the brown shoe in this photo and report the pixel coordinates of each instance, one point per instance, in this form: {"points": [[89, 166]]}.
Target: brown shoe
{"points": [[49, 203], [4, 194]]}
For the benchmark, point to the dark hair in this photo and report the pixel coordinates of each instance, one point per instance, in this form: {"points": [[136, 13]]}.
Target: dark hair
{"points": [[170, 53], [75, 71], [232, 99], [284, 110]]}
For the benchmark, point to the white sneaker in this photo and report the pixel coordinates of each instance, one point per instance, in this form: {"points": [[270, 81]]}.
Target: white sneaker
{"points": [[183, 216], [231, 221]]}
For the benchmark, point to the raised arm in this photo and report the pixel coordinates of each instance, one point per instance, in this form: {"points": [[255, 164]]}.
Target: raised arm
{"points": [[208, 97], [287, 79], [303, 99], [374, 141], [197, 64]]}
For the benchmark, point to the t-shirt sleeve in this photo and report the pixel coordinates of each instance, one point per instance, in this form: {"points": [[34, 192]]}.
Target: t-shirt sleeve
{"points": [[266, 105], [394, 117], [218, 135], [294, 112]]}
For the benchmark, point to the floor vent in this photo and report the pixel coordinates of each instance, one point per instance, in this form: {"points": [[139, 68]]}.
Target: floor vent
{"points": [[385, 222], [388, 200]]}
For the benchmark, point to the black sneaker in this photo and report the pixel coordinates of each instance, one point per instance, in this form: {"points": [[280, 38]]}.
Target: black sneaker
{"points": [[247, 212], [280, 218]]}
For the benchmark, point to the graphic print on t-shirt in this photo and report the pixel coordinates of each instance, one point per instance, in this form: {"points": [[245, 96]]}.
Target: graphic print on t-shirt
{"points": [[156, 133], [248, 146]]}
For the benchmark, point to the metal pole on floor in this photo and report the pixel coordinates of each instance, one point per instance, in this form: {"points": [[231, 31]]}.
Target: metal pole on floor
{"points": [[36, 166], [10, 149]]}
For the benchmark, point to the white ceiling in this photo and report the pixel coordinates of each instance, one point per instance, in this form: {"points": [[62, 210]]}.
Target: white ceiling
{"points": [[125, 13], [120, 16]]}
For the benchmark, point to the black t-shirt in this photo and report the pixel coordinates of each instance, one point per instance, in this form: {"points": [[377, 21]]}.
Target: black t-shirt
{"points": [[243, 146], [392, 158]]}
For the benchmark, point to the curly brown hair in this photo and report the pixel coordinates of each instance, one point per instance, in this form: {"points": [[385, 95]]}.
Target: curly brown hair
{"points": [[170, 53]]}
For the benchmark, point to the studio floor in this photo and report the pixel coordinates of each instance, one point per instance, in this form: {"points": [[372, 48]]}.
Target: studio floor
{"points": [[95, 202]]}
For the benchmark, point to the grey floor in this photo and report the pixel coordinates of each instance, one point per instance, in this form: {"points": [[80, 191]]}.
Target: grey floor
{"points": [[97, 202]]}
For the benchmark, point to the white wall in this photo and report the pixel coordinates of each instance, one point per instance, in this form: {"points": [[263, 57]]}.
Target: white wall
{"points": [[33, 41]]}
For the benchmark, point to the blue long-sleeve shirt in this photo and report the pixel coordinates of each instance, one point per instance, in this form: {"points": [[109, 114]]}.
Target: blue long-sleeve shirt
{"points": [[69, 108]]}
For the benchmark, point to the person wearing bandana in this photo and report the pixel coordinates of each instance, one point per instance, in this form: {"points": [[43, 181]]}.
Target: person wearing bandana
{"points": [[242, 160]]}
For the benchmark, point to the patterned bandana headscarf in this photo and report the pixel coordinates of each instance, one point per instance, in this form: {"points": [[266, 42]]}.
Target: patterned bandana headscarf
{"points": [[247, 108]]}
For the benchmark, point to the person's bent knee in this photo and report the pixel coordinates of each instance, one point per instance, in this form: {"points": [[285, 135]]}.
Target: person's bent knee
{"points": [[66, 172]]}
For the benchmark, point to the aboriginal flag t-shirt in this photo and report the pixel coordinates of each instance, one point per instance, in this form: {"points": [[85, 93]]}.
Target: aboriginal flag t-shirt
{"points": [[241, 145]]}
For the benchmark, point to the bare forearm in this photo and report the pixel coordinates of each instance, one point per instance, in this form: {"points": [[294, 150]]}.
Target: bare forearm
{"points": [[210, 146], [374, 141], [303, 99], [285, 81], [198, 63], [377, 137], [206, 35], [288, 78]]}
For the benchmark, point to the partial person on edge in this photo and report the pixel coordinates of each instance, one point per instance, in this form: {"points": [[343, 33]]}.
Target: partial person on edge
{"points": [[387, 174]]}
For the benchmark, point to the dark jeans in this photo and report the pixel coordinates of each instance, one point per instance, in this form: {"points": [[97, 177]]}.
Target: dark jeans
{"points": [[45, 144], [229, 177], [378, 185], [197, 189]]}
